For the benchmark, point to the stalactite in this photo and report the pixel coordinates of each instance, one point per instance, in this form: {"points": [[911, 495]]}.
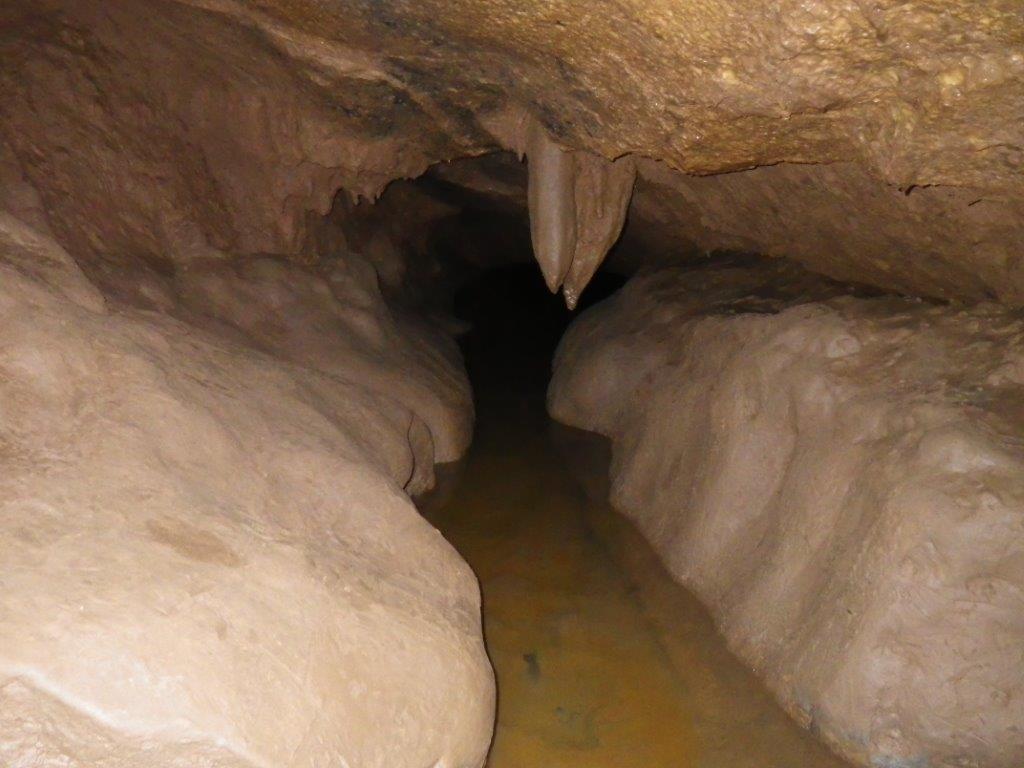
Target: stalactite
{"points": [[552, 201], [603, 190], [578, 203]]}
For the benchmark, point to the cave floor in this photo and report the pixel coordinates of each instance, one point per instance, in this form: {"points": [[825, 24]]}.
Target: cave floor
{"points": [[602, 660]]}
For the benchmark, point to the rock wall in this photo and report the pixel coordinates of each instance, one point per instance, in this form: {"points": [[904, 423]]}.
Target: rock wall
{"points": [[207, 550], [176, 134], [842, 221], [214, 415], [841, 480], [889, 132]]}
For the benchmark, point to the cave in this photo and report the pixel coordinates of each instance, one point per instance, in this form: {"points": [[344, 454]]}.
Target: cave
{"points": [[598, 383]]}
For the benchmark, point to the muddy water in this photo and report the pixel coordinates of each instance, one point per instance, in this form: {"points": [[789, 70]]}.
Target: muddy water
{"points": [[602, 660]]}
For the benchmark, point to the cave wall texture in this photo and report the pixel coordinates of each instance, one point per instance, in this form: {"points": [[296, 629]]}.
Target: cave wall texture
{"points": [[181, 180], [209, 556], [886, 136], [839, 478]]}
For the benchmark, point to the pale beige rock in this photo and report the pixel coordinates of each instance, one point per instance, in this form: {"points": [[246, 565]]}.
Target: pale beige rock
{"points": [[206, 552], [876, 141], [841, 480], [334, 319]]}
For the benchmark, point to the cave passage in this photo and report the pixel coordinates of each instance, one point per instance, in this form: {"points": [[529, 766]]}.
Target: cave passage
{"points": [[601, 658], [258, 511]]}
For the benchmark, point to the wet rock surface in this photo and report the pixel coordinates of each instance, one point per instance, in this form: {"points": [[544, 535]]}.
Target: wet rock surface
{"points": [[839, 479], [208, 555]]}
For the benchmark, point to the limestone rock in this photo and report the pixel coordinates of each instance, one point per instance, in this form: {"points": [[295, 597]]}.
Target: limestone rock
{"points": [[841, 480], [207, 555], [577, 204], [204, 126]]}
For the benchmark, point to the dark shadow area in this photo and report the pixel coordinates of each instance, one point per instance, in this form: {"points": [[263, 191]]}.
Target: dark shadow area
{"points": [[516, 324]]}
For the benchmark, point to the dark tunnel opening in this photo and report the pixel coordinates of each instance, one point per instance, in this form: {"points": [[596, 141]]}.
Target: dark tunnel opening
{"points": [[602, 660], [515, 326]]}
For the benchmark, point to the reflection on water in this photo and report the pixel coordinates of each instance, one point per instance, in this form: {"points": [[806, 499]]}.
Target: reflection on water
{"points": [[602, 660]]}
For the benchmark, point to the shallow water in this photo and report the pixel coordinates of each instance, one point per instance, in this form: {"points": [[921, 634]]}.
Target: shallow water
{"points": [[602, 660]]}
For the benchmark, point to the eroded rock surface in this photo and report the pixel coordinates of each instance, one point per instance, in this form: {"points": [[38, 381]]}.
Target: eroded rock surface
{"points": [[840, 221], [207, 393], [240, 121], [841, 480], [207, 552]]}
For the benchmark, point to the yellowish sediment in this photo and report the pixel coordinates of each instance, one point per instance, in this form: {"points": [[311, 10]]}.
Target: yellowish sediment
{"points": [[602, 660]]}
